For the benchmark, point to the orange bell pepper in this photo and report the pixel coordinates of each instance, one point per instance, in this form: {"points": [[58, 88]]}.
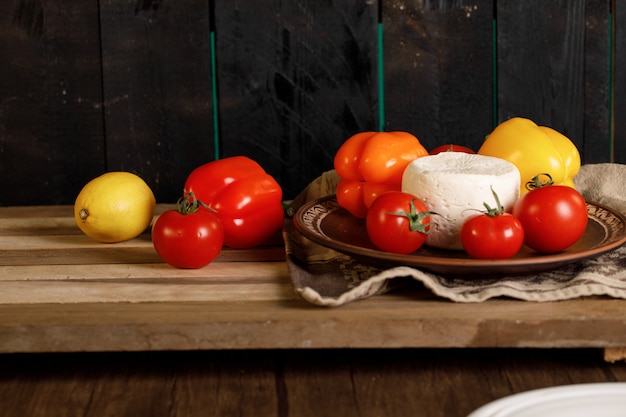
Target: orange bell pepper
{"points": [[371, 163]]}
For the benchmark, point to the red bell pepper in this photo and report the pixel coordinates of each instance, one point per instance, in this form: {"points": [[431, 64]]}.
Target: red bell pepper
{"points": [[246, 199]]}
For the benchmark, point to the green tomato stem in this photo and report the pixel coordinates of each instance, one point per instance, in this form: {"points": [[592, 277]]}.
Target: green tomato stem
{"points": [[189, 204], [493, 212], [415, 218], [536, 182]]}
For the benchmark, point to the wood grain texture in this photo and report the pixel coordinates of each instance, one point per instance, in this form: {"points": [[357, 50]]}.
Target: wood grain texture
{"points": [[296, 79], [79, 249], [128, 85], [439, 71], [619, 85], [62, 292], [553, 68], [288, 383], [273, 318], [157, 90], [598, 88], [51, 126]]}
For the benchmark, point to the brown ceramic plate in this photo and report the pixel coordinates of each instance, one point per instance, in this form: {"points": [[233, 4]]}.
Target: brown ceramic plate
{"points": [[329, 225]]}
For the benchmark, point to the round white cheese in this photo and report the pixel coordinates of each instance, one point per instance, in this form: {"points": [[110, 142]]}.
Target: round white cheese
{"points": [[456, 185]]}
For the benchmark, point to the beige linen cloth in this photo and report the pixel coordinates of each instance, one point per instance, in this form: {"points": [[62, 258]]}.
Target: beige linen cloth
{"points": [[328, 278]]}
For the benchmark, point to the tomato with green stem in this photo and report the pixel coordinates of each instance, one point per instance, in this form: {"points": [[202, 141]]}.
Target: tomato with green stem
{"points": [[554, 217], [188, 237], [398, 222], [492, 234]]}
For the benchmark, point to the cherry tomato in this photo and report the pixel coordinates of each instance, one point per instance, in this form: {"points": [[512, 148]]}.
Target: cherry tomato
{"points": [[493, 234], [246, 199], [397, 222], [554, 217], [189, 237], [498, 236], [451, 148]]}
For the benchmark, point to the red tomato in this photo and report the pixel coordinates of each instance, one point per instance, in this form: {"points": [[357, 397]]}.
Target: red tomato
{"points": [[397, 222], [486, 236], [246, 199], [188, 239], [554, 217], [450, 148]]}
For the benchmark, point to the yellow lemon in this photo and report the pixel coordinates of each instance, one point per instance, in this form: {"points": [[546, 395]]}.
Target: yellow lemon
{"points": [[114, 207]]}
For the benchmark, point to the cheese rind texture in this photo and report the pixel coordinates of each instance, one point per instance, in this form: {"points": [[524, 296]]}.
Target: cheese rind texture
{"points": [[456, 185]]}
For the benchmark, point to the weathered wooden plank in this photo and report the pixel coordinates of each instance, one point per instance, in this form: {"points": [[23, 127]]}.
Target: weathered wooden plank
{"points": [[37, 236], [73, 249], [597, 129], [64, 292], [157, 90], [619, 83], [295, 80], [217, 272], [151, 291], [288, 383], [553, 68], [61, 223], [45, 220], [403, 319], [438, 70], [51, 130], [81, 250]]}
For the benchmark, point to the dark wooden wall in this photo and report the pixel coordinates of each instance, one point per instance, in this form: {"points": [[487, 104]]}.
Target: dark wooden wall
{"points": [[157, 87]]}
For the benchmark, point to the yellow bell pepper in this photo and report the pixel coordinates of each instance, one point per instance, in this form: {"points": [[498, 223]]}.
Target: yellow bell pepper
{"points": [[534, 150]]}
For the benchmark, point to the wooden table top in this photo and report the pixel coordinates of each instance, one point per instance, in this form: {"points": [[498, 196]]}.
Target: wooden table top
{"points": [[63, 292], [287, 383], [108, 329]]}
